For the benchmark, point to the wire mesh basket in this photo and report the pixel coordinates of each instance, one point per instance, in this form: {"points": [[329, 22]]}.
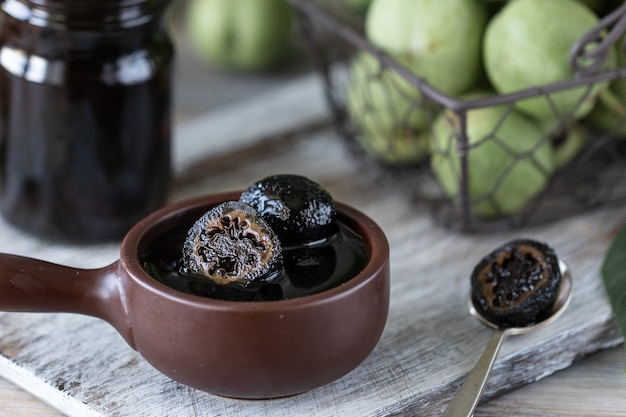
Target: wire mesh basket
{"points": [[476, 175]]}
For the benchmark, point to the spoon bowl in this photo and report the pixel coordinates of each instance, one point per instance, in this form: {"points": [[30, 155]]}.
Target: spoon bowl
{"points": [[466, 399]]}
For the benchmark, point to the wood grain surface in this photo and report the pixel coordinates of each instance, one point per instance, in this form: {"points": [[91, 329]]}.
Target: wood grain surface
{"points": [[81, 367]]}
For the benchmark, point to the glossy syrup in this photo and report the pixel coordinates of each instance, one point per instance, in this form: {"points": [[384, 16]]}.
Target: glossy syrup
{"points": [[307, 270]]}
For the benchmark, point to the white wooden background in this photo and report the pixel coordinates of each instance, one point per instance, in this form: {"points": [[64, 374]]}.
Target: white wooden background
{"points": [[82, 367]]}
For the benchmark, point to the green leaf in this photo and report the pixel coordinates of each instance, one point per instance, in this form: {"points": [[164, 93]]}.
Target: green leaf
{"points": [[614, 277]]}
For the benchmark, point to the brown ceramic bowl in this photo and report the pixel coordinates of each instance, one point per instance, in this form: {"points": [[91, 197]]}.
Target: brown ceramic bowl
{"points": [[243, 349]]}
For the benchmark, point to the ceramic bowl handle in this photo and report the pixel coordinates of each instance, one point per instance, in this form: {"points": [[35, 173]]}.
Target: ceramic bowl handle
{"points": [[32, 285]]}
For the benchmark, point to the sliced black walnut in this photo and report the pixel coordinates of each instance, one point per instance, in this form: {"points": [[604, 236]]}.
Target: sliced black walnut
{"points": [[231, 243], [517, 284]]}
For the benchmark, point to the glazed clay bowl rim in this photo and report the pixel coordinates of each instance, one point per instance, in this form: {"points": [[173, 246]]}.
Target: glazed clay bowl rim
{"points": [[176, 215]]}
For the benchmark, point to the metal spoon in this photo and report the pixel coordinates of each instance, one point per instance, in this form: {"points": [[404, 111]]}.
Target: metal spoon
{"points": [[466, 398]]}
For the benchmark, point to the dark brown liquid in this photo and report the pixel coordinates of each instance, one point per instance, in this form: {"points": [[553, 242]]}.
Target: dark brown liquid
{"points": [[307, 270], [84, 122]]}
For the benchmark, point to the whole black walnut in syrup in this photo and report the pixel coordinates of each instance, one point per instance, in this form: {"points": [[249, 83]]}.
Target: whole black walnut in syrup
{"points": [[232, 244], [85, 108], [517, 284], [299, 210]]}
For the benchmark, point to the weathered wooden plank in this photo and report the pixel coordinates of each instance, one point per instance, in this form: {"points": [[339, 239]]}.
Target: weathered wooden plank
{"points": [[82, 367], [595, 388], [18, 403], [293, 106]]}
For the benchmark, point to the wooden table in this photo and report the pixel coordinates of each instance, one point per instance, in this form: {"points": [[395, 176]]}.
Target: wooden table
{"points": [[592, 388], [230, 130]]}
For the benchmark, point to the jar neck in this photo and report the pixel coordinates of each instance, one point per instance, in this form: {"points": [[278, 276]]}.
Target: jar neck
{"points": [[85, 14]]}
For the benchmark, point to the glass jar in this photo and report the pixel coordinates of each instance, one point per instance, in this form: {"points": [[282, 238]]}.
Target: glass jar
{"points": [[85, 115]]}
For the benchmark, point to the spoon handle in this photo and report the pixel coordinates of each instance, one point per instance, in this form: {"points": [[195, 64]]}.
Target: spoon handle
{"points": [[466, 398]]}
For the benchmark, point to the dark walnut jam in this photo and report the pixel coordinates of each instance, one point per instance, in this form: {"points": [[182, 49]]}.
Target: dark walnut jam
{"points": [[517, 284], [85, 109], [306, 269]]}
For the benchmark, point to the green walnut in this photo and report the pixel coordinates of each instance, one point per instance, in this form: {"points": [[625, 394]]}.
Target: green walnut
{"points": [[527, 45], [440, 40], [398, 148], [240, 35], [389, 113], [509, 159]]}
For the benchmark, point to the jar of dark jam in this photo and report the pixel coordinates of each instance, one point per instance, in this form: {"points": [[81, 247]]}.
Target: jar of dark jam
{"points": [[85, 115]]}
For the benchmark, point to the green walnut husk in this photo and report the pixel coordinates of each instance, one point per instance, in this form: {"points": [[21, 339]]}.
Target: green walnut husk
{"points": [[388, 112], [510, 159], [526, 46], [517, 284], [240, 35], [440, 40]]}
